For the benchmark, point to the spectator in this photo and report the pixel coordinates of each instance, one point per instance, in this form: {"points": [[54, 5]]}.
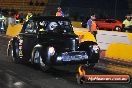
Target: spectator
{"points": [[10, 20], [2, 23], [92, 25], [29, 16], [59, 12], [2, 17], [127, 24], [17, 17]]}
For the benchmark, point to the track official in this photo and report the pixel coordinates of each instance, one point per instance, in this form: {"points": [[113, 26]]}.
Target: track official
{"points": [[92, 25], [59, 12], [29, 16]]}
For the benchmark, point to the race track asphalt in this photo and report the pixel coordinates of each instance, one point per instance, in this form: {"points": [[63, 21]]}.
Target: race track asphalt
{"points": [[30, 76]]}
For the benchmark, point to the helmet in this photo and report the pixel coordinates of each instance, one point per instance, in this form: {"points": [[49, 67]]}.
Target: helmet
{"points": [[59, 8], [52, 25]]}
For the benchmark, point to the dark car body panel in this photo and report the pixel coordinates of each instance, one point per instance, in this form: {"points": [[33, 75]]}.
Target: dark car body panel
{"points": [[64, 41]]}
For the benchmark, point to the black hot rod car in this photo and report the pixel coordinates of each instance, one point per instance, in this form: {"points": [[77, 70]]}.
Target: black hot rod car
{"points": [[50, 41]]}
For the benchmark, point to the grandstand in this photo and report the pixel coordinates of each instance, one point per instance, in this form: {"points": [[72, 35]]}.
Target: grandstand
{"points": [[24, 6], [74, 8]]}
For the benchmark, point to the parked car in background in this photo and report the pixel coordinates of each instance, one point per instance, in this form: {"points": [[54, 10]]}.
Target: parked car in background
{"points": [[109, 24]]}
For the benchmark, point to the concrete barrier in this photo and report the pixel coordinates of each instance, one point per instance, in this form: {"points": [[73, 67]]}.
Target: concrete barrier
{"points": [[84, 35], [76, 24], [13, 30], [119, 51]]}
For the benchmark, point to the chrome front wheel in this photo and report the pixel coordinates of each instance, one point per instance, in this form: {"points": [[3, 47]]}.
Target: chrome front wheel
{"points": [[38, 59]]}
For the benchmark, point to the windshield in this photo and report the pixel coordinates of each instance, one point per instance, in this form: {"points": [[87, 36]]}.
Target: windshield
{"points": [[56, 26]]}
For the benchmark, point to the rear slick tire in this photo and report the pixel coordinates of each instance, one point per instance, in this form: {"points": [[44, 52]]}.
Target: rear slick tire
{"points": [[14, 57]]}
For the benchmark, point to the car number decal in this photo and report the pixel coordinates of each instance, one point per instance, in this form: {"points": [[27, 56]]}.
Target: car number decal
{"points": [[20, 48]]}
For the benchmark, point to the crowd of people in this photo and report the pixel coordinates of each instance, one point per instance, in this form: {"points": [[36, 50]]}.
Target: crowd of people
{"points": [[13, 18]]}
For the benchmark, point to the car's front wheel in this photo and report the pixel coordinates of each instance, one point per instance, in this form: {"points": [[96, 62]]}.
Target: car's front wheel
{"points": [[40, 60]]}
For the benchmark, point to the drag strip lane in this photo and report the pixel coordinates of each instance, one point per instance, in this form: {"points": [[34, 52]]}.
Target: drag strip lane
{"points": [[30, 76]]}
